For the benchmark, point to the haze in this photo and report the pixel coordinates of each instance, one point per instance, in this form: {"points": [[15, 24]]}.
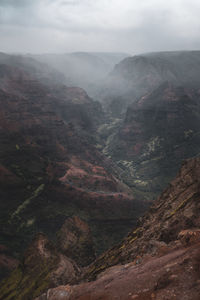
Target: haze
{"points": [[131, 26]]}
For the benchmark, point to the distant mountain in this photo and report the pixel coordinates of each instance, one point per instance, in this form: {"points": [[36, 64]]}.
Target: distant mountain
{"points": [[40, 71], [135, 76], [83, 69]]}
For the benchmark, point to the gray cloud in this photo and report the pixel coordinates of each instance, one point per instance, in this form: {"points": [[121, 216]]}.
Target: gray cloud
{"points": [[18, 3], [101, 25]]}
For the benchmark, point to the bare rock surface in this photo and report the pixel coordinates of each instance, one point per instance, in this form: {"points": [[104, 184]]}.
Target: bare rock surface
{"points": [[175, 275]]}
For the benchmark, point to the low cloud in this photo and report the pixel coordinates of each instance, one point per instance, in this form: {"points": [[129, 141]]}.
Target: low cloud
{"points": [[84, 25]]}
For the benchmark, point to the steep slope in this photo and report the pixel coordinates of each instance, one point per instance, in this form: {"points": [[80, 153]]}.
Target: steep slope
{"points": [[135, 76], [175, 210], [159, 131], [160, 257], [45, 265], [42, 267], [50, 166], [174, 275]]}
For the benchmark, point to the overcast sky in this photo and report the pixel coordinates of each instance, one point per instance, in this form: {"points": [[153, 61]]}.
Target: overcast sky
{"points": [[131, 26]]}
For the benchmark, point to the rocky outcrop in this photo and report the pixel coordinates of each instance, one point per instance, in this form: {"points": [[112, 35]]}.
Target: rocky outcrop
{"points": [[42, 267], [174, 275], [74, 239], [46, 265]]}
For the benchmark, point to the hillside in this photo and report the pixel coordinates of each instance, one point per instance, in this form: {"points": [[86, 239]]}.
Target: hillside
{"points": [[159, 259]]}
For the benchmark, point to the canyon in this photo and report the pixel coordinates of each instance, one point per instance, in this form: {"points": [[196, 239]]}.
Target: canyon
{"points": [[91, 187]]}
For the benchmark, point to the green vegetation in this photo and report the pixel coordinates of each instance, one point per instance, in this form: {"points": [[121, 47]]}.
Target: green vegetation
{"points": [[152, 145], [27, 201], [25, 284], [181, 205]]}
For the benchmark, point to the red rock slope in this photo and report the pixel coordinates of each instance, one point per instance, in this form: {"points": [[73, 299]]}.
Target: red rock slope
{"points": [[161, 258]]}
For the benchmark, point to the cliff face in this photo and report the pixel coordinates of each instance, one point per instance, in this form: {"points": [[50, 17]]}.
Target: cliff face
{"points": [[50, 166], [136, 76], [159, 131], [160, 257], [153, 103]]}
